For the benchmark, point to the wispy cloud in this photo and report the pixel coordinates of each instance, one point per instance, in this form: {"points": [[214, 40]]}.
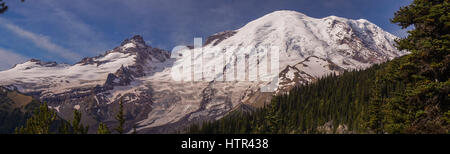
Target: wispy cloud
{"points": [[42, 42], [67, 24], [9, 58], [81, 35]]}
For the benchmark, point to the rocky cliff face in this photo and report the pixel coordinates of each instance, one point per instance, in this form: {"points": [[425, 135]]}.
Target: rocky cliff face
{"points": [[139, 74]]}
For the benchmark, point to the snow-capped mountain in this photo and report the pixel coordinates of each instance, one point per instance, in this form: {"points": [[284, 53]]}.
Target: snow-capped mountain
{"points": [[322, 46], [309, 48]]}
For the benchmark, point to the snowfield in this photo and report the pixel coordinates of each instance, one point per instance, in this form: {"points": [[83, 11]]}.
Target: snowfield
{"points": [[58, 77]]}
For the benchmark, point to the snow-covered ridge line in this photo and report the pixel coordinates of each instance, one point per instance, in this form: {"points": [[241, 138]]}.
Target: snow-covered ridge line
{"points": [[90, 71]]}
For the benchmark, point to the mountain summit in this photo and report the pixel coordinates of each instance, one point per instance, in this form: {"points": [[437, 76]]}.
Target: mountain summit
{"points": [[358, 43], [136, 40]]}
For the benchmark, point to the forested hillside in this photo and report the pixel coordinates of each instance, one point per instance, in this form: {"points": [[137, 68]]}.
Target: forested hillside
{"points": [[333, 104], [15, 108]]}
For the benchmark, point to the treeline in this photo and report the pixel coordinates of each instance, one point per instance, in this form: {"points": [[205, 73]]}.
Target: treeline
{"points": [[46, 121]]}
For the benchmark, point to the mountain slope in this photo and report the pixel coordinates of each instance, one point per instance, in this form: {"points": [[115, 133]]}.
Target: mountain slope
{"points": [[15, 108], [309, 48], [332, 104]]}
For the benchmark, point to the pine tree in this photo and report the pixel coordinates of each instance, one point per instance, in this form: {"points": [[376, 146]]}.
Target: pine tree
{"points": [[120, 118], [273, 117], [375, 118], [64, 128], [421, 106], [134, 129], [4, 7], [103, 129], [40, 122], [77, 127]]}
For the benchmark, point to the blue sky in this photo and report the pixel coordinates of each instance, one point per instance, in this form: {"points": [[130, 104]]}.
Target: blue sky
{"points": [[67, 30]]}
